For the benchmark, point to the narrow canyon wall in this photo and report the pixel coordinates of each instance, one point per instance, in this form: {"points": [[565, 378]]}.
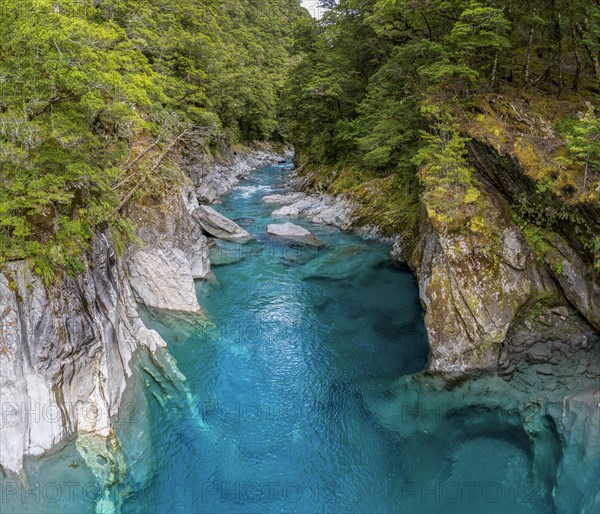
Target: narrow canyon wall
{"points": [[66, 350], [65, 354]]}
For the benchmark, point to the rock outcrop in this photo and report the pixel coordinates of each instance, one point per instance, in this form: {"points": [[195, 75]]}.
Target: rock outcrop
{"points": [[566, 257], [215, 177], [472, 292], [173, 253], [325, 209], [66, 350], [577, 281], [162, 279], [65, 354]]}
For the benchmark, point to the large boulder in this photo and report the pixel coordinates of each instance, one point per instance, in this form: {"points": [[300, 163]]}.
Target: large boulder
{"points": [[219, 226], [345, 262], [294, 232], [288, 198]]}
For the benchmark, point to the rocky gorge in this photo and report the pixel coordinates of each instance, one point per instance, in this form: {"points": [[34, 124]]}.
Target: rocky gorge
{"points": [[508, 329], [506, 340]]}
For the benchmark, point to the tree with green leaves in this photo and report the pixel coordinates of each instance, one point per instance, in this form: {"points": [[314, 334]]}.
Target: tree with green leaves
{"points": [[93, 95], [584, 143]]}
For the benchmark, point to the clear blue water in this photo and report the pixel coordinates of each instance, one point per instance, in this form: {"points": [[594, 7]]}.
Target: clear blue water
{"points": [[284, 425], [289, 403], [297, 328]]}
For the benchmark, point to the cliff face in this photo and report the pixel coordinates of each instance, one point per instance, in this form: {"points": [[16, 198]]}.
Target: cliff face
{"points": [[474, 285], [66, 350], [174, 253], [478, 272], [65, 354], [530, 245], [565, 256], [471, 292]]}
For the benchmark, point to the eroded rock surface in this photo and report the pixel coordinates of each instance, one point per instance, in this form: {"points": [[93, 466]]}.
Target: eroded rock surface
{"points": [[66, 350], [472, 293], [65, 354], [325, 209], [295, 232], [162, 279]]}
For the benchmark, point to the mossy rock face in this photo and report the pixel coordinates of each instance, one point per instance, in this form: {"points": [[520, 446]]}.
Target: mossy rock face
{"points": [[477, 267], [485, 241], [579, 283], [473, 281]]}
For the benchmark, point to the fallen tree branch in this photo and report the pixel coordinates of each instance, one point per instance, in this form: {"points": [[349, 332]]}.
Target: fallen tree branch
{"points": [[132, 163], [152, 168]]}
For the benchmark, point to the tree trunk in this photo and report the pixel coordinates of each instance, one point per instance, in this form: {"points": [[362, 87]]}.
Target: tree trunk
{"points": [[559, 37], [529, 50], [495, 68], [577, 57], [590, 51]]}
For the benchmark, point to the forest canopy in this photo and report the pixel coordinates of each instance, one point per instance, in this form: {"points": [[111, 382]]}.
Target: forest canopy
{"points": [[85, 86], [388, 94], [380, 98]]}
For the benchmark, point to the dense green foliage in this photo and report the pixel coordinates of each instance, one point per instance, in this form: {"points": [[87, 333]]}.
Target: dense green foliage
{"points": [[86, 86], [96, 97], [369, 65], [395, 88]]}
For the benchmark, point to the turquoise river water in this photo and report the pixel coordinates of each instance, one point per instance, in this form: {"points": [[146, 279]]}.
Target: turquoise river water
{"points": [[272, 416]]}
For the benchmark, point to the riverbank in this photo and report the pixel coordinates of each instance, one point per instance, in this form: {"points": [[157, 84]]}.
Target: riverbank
{"points": [[543, 400], [68, 348]]}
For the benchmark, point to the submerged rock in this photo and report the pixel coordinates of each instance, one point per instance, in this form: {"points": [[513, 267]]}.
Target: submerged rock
{"points": [[539, 353], [577, 418], [225, 252], [341, 263], [219, 226], [557, 433], [245, 221], [288, 230]]}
